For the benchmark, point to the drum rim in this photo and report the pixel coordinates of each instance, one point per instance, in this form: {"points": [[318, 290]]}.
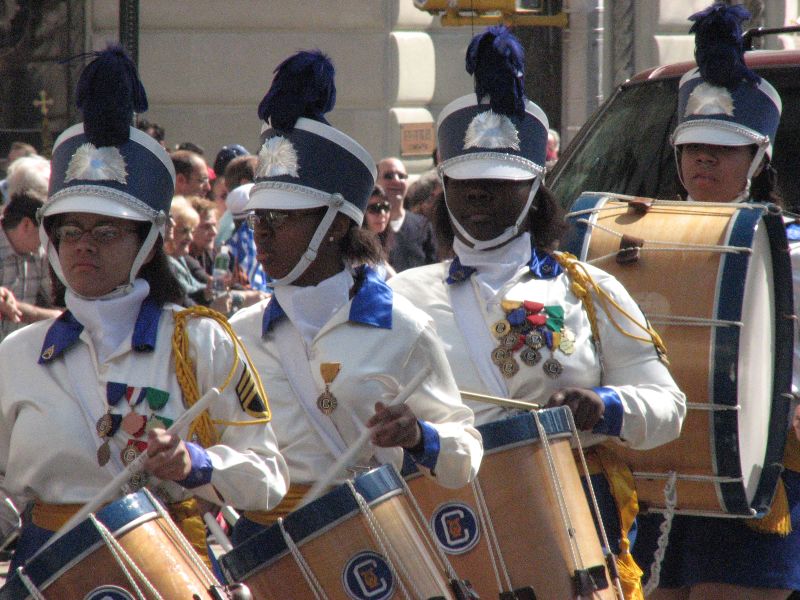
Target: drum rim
{"points": [[48, 565], [309, 522]]}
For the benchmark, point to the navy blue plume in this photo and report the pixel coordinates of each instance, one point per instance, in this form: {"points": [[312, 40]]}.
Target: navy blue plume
{"points": [[303, 86], [497, 60], [109, 92], [718, 45]]}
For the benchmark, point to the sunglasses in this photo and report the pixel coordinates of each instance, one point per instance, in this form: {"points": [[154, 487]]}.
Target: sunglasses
{"points": [[379, 207], [267, 218]]}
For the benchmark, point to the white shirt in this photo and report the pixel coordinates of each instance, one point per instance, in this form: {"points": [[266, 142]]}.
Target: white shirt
{"points": [[653, 407], [381, 344], [49, 407]]}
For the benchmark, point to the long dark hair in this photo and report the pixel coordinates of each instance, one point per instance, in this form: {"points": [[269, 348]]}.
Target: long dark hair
{"points": [[362, 246], [545, 222]]}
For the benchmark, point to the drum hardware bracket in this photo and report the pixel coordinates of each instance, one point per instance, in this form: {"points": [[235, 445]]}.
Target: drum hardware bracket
{"points": [[463, 590], [524, 593], [640, 205], [629, 250], [590, 580], [237, 591]]}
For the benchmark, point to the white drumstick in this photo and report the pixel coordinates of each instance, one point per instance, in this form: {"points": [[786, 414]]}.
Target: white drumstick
{"points": [[355, 449], [113, 487], [230, 514], [219, 535]]}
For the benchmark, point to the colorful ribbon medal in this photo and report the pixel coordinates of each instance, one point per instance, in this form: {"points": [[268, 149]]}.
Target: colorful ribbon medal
{"points": [[326, 401], [527, 328]]}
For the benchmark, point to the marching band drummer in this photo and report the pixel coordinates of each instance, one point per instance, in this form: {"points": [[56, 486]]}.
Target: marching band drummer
{"points": [[333, 344], [83, 394], [519, 320], [727, 120]]}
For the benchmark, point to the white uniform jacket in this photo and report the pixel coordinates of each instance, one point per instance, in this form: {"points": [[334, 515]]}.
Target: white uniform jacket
{"points": [[381, 342], [53, 391], [643, 406]]}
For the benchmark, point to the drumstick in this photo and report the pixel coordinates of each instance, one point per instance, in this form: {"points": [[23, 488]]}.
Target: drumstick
{"points": [[230, 514], [345, 459], [219, 535], [114, 486], [505, 402]]}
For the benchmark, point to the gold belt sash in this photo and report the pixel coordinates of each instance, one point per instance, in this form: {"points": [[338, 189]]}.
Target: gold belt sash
{"points": [[285, 506]]}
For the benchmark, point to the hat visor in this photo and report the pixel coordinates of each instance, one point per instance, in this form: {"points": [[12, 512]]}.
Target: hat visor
{"points": [[716, 136], [487, 168], [94, 205]]}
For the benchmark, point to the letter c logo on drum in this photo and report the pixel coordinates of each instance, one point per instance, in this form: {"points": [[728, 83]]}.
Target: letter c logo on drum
{"points": [[456, 527], [108, 592], [367, 577]]}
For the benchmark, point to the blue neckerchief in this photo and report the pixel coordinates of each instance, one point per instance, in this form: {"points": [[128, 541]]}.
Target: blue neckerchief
{"points": [[542, 265], [371, 305], [66, 330], [793, 232]]}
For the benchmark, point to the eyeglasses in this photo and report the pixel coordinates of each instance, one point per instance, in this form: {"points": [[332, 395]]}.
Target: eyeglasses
{"points": [[379, 207], [389, 175], [100, 234], [267, 218]]}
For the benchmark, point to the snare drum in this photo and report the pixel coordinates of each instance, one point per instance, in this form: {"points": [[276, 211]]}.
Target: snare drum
{"points": [[86, 563], [715, 281], [359, 541], [511, 529]]}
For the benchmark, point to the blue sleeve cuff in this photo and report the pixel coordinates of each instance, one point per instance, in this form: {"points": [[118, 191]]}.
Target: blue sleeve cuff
{"points": [[611, 423], [430, 447], [201, 467]]}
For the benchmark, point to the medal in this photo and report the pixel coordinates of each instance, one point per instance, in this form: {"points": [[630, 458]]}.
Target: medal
{"points": [[509, 368], [552, 368], [509, 341], [104, 425], [326, 401], [501, 328], [103, 454], [138, 480], [133, 424], [535, 339], [530, 356], [500, 355], [129, 454]]}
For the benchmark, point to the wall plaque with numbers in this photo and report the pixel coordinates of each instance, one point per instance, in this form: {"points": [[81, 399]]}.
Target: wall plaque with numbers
{"points": [[417, 139]]}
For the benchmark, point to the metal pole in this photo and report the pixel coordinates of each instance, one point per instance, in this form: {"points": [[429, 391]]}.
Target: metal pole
{"points": [[129, 28]]}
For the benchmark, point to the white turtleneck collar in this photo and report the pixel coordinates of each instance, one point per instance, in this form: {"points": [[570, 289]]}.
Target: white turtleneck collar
{"points": [[310, 307], [108, 321], [497, 266]]}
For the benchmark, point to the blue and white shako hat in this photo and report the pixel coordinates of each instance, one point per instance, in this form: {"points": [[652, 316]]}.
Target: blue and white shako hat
{"points": [[303, 162], [103, 165], [495, 133], [722, 102]]}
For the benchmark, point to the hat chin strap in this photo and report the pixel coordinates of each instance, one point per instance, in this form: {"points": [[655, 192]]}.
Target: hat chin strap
{"points": [[147, 245], [509, 233], [336, 203]]}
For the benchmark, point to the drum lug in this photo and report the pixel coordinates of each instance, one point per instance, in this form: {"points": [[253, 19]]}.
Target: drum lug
{"points": [[588, 581], [463, 590], [629, 249], [525, 593], [237, 591]]}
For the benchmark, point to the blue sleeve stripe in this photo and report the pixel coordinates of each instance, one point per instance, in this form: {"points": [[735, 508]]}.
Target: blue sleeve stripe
{"points": [[202, 468], [430, 447], [611, 423]]}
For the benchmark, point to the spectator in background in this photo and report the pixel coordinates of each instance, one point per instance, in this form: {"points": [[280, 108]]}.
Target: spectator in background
{"points": [[553, 148], [190, 147], [17, 150], [154, 130], [193, 279], [26, 292], [202, 246], [376, 220], [191, 174], [29, 173], [423, 193], [239, 171], [220, 189], [413, 244], [246, 268]]}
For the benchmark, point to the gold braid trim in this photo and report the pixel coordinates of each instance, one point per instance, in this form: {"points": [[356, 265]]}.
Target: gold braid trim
{"points": [[203, 426], [583, 286]]}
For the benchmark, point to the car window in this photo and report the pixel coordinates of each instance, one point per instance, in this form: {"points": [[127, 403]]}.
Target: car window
{"points": [[625, 147]]}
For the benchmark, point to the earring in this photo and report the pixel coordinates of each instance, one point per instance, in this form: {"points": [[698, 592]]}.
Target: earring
{"points": [[330, 239]]}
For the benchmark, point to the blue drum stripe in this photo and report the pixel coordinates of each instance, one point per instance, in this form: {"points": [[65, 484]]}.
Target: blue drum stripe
{"points": [[268, 545], [46, 565]]}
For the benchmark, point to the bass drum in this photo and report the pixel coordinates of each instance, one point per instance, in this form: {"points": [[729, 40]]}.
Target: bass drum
{"points": [[715, 280]]}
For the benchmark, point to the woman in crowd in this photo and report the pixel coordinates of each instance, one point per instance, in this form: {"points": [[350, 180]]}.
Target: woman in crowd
{"points": [[727, 119], [333, 344], [519, 320], [376, 220], [70, 380]]}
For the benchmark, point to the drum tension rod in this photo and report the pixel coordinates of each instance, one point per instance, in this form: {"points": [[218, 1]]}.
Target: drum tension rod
{"points": [[524, 593], [463, 590]]}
